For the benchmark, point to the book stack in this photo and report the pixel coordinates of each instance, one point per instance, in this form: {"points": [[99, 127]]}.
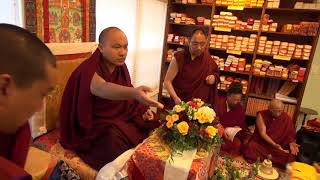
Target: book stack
{"points": [[303, 28], [273, 87], [273, 3], [265, 87], [183, 40], [283, 48], [232, 63], [255, 105], [287, 88], [228, 20], [225, 82], [230, 42], [170, 54]]}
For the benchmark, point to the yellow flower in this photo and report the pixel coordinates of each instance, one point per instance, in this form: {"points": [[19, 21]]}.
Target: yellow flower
{"points": [[183, 128], [169, 124], [210, 119], [178, 108], [197, 115], [197, 100], [199, 104], [211, 131], [203, 119], [175, 117], [168, 118], [207, 115]]}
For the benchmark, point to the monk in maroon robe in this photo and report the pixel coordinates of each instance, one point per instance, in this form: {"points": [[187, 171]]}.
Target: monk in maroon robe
{"points": [[27, 74], [193, 73], [231, 114], [275, 135], [97, 120]]}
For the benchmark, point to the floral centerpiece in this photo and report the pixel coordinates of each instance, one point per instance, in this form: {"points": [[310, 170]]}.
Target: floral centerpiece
{"points": [[190, 125], [231, 169]]}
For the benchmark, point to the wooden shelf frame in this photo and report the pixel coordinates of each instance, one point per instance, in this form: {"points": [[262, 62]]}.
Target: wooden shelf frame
{"points": [[260, 12]]}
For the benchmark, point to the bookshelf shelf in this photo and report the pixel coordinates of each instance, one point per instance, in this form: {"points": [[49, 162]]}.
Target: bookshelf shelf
{"points": [[192, 4], [272, 77], [189, 25], [260, 96], [220, 49], [284, 33], [236, 72], [178, 44]]}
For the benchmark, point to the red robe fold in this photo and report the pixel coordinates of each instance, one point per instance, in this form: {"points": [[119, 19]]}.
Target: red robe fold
{"points": [[281, 131], [235, 117], [190, 81], [98, 129], [13, 153]]}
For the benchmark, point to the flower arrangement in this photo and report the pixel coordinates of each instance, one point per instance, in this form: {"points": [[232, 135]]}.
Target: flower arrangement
{"points": [[231, 169], [190, 125]]}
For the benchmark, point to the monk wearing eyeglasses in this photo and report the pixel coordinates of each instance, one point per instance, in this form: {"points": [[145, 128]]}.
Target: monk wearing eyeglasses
{"points": [[275, 135], [193, 73]]}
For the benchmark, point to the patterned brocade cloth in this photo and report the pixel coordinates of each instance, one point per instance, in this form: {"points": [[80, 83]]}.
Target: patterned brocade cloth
{"points": [[149, 162]]}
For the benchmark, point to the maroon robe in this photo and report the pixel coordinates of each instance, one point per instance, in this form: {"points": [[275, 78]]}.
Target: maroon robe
{"points": [[281, 131], [190, 81], [235, 117], [13, 153], [97, 129]]}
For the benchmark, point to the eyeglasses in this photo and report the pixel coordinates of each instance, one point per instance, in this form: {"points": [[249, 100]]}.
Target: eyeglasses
{"points": [[196, 44], [276, 110]]}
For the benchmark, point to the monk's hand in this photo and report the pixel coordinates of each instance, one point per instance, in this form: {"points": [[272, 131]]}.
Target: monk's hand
{"points": [[294, 148], [148, 115], [210, 79], [177, 100], [277, 146], [142, 96]]}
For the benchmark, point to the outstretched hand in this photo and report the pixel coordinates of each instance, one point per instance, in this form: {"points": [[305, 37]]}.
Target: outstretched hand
{"points": [[281, 149], [294, 148], [142, 97], [148, 115]]}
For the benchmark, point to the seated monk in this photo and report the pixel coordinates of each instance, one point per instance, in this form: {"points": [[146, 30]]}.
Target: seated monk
{"points": [[192, 73], [99, 117], [27, 75], [275, 135], [231, 114]]}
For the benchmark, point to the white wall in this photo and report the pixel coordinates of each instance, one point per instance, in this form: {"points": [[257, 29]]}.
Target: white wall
{"points": [[143, 22], [311, 98], [152, 16], [11, 12], [122, 14]]}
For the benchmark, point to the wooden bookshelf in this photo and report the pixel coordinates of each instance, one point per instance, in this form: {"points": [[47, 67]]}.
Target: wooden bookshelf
{"points": [[285, 14]]}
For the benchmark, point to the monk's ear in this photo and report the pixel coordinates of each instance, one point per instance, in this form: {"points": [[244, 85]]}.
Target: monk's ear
{"points": [[6, 82], [100, 47]]}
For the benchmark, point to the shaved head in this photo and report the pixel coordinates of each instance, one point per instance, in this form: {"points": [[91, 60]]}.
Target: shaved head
{"points": [[276, 104], [276, 107], [23, 56], [199, 31], [106, 33]]}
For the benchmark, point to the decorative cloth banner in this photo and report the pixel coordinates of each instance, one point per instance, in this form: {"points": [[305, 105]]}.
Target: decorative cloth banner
{"points": [[61, 21]]}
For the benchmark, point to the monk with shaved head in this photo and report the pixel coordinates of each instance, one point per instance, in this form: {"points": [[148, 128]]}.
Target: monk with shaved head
{"points": [[101, 114], [27, 75], [275, 135]]}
